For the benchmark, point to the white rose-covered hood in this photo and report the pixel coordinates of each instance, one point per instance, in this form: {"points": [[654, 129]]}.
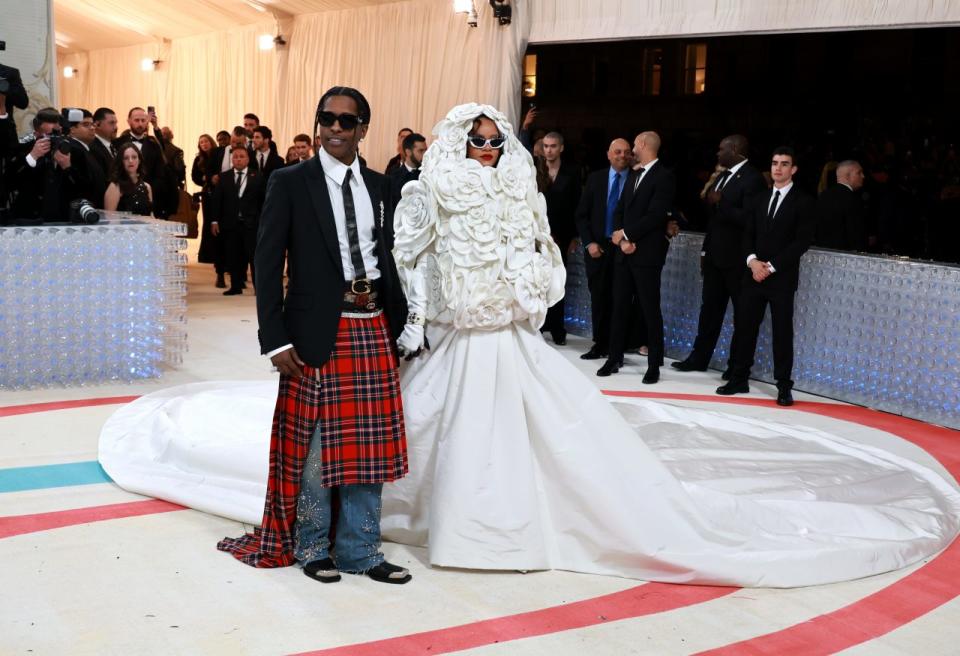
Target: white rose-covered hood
{"points": [[478, 235]]}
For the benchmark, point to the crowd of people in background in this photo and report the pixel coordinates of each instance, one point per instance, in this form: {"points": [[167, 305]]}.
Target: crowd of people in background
{"points": [[894, 199], [75, 158]]}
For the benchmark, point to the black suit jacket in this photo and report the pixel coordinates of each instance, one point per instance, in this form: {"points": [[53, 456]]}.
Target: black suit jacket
{"points": [[840, 219], [297, 225], [399, 177], [8, 150], [17, 95], [272, 162], [44, 191], [780, 241], [591, 215], [103, 156], [227, 209], [727, 219], [562, 197], [643, 214]]}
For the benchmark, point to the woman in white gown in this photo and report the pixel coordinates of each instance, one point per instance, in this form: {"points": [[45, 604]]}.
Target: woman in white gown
{"points": [[517, 461]]}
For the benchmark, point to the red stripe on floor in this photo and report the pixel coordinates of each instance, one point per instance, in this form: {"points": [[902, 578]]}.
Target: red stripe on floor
{"points": [[911, 597], [21, 524], [635, 602], [11, 410]]}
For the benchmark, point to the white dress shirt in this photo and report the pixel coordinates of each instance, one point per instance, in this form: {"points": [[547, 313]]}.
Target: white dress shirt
{"points": [[227, 162], [334, 171], [106, 144]]}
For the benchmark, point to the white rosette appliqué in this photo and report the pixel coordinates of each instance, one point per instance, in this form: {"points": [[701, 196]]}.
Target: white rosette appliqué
{"points": [[478, 236]]}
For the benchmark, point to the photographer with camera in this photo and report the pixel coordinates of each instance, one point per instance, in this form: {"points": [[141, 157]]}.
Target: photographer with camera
{"points": [[50, 169]]}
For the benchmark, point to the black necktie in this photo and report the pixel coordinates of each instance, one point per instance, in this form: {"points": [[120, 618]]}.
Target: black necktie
{"points": [[722, 181], [639, 175], [239, 181], [261, 161], [773, 205], [359, 271]]}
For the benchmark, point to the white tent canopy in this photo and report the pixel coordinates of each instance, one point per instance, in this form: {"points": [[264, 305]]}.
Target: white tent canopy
{"points": [[413, 60]]}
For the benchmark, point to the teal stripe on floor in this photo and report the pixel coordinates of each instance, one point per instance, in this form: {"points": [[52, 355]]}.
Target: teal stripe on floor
{"points": [[21, 479]]}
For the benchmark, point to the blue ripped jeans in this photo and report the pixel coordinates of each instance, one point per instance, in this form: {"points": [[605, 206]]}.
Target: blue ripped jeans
{"points": [[358, 525]]}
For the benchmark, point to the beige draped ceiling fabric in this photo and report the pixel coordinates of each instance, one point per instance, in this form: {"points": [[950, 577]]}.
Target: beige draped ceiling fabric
{"points": [[412, 59], [557, 21]]}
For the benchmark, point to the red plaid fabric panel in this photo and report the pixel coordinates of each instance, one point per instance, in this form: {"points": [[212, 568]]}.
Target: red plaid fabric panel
{"points": [[361, 414], [356, 398]]}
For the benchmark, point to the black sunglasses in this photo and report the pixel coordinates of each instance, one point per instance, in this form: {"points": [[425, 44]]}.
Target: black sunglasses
{"points": [[346, 121], [479, 142]]}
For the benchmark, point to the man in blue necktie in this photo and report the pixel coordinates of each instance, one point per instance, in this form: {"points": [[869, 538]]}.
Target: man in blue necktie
{"points": [[594, 225]]}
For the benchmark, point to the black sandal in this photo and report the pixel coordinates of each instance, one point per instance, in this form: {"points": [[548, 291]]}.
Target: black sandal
{"points": [[322, 570], [389, 573]]}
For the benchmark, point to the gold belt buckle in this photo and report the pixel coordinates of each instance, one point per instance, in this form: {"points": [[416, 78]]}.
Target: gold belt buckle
{"points": [[362, 286]]}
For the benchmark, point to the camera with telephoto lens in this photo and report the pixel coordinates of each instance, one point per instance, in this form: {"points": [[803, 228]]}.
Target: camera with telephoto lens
{"points": [[81, 211]]}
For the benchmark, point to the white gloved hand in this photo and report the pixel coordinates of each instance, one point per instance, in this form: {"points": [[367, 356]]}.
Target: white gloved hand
{"points": [[412, 340], [410, 343]]}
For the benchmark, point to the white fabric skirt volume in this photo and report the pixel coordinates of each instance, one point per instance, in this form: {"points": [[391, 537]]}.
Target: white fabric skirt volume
{"points": [[518, 461]]}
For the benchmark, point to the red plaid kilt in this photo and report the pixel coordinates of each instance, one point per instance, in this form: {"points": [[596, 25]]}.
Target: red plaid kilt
{"points": [[354, 399]]}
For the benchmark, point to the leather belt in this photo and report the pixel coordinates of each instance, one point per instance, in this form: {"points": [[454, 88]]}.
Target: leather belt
{"points": [[361, 295]]}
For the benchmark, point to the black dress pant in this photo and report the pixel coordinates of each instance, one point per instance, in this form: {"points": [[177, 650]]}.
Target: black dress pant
{"points": [[600, 282], [754, 298], [631, 279], [238, 244], [720, 285]]}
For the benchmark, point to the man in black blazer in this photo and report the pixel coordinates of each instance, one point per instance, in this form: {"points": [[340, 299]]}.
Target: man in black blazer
{"points": [[594, 221], [221, 160], [778, 232], [728, 206], [414, 146], [640, 222], [102, 148], [562, 196], [840, 214], [264, 152], [235, 215], [332, 339]]}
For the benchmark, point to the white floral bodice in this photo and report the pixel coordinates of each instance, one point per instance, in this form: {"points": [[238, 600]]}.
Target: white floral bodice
{"points": [[476, 235]]}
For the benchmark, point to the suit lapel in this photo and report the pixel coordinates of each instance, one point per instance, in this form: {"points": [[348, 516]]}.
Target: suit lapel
{"points": [[323, 210], [634, 188]]}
